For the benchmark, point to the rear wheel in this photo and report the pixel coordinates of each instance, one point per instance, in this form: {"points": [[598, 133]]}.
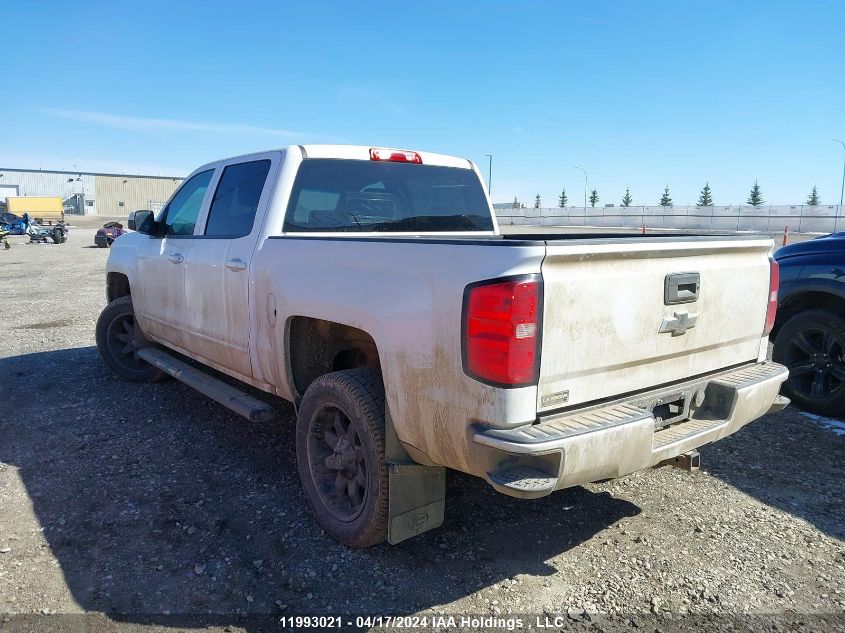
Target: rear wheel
{"points": [[812, 345], [119, 339], [340, 455]]}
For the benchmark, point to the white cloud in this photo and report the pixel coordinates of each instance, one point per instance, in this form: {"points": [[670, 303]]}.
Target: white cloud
{"points": [[146, 124]]}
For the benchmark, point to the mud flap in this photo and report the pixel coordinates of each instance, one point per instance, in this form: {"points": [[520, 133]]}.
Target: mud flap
{"points": [[416, 493]]}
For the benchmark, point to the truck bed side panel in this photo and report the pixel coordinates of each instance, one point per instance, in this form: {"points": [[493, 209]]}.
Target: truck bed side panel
{"points": [[408, 295]]}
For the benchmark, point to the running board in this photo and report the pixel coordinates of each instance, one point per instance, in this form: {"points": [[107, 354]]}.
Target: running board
{"points": [[230, 397]]}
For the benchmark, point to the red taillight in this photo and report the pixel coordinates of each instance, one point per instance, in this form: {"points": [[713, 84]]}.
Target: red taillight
{"points": [[774, 282], [395, 155], [502, 332]]}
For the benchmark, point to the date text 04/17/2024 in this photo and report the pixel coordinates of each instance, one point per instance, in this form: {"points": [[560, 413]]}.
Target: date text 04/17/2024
{"points": [[412, 622]]}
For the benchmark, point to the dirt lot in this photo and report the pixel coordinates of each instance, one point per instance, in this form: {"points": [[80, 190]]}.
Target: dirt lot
{"points": [[148, 507]]}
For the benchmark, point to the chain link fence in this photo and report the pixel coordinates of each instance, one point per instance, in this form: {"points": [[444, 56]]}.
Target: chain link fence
{"points": [[797, 218]]}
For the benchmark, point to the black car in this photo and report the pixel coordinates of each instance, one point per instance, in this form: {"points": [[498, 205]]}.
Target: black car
{"points": [[809, 332]]}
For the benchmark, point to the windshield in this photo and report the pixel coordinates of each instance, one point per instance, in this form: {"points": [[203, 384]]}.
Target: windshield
{"points": [[356, 195]]}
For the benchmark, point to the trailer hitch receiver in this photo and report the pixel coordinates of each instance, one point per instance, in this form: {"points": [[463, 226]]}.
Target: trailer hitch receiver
{"points": [[689, 461]]}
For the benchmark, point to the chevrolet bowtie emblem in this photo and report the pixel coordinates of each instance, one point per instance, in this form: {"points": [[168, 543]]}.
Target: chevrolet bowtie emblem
{"points": [[678, 323]]}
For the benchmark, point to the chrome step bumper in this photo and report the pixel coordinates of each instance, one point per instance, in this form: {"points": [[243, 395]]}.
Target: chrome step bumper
{"points": [[610, 441]]}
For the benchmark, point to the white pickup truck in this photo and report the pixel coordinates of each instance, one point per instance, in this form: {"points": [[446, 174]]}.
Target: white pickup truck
{"points": [[372, 288]]}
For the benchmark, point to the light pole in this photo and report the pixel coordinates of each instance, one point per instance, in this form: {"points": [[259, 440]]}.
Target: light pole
{"points": [[841, 191], [585, 184], [489, 173]]}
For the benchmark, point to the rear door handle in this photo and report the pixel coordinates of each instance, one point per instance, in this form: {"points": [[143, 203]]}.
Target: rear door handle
{"points": [[236, 265], [176, 258]]}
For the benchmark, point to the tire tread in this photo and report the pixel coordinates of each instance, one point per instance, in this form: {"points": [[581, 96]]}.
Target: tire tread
{"points": [[365, 388], [113, 309]]}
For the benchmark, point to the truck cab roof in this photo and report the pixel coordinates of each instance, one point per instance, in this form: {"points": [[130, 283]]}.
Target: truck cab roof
{"points": [[355, 152]]}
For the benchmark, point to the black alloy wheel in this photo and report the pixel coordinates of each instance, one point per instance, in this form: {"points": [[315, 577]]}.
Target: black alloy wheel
{"points": [[812, 345]]}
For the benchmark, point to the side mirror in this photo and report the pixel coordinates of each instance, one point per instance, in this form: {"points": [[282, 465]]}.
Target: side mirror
{"points": [[142, 221]]}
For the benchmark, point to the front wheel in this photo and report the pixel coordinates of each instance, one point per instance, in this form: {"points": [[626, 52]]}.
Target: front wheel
{"points": [[119, 339], [812, 345], [340, 455]]}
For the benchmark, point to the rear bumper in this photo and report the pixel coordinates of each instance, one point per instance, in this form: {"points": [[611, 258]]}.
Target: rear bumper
{"points": [[613, 440]]}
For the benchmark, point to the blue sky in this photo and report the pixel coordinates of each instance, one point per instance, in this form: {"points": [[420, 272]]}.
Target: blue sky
{"points": [[641, 94]]}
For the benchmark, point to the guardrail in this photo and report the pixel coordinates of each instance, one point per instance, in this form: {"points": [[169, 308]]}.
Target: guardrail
{"points": [[797, 218]]}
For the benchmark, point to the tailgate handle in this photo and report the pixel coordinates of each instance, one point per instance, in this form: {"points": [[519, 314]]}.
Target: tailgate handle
{"points": [[681, 288]]}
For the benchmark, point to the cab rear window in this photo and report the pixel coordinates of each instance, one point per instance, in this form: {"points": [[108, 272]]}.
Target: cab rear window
{"points": [[332, 195]]}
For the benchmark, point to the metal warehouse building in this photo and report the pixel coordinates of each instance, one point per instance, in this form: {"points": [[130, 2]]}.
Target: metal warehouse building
{"points": [[90, 193]]}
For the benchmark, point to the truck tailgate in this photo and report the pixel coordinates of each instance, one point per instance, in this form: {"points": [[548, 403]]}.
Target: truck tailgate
{"points": [[606, 302]]}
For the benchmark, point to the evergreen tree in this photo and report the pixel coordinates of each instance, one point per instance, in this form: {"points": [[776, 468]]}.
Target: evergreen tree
{"points": [[705, 199], [563, 199], [813, 199], [515, 204], [537, 201], [627, 199], [666, 199], [755, 198], [594, 197]]}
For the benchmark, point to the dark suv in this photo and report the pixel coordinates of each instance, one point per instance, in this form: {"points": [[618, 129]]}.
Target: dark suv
{"points": [[809, 333]]}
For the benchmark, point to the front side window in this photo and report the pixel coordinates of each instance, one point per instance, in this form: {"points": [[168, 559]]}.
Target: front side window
{"points": [[180, 216], [356, 195], [235, 202]]}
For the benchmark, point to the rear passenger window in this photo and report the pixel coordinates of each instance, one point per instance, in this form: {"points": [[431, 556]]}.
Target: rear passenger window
{"points": [[235, 202]]}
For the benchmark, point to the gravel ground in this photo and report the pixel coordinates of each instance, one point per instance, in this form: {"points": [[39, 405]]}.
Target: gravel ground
{"points": [[148, 507]]}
